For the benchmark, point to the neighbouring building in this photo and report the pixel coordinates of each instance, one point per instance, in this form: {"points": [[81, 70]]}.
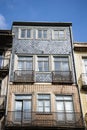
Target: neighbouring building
{"points": [[5, 51], [80, 52], [42, 88]]}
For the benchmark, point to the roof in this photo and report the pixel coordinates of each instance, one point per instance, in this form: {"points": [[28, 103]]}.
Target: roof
{"points": [[5, 39], [80, 46], [15, 23]]}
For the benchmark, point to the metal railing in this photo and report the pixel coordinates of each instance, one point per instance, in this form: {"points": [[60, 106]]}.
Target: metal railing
{"points": [[4, 63], [52, 119], [62, 77], [24, 76]]}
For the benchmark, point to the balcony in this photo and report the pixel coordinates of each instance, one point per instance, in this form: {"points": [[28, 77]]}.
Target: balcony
{"points": [[24, 76], [62, 77], [84, 81], [4, 67], [2, 106], [47, 120]]}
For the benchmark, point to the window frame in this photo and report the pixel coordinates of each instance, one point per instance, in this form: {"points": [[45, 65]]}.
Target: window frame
{"points": [[26, 32], [21, 111], [58, 38], [24, 62], [61, 63], [43, 62], [42, 34], [43, 103]]}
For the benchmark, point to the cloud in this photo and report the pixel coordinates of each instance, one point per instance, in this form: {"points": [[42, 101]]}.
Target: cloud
{"points": [[3, 24]]}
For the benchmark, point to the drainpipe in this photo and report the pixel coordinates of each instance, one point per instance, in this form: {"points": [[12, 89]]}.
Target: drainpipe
{"points": [[71, 38]]}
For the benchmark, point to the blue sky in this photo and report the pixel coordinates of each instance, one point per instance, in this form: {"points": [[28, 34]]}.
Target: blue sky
{"points": [[74, 11]]}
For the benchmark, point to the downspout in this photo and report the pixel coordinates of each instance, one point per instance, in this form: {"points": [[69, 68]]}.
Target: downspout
{"points": [[71, 38]]}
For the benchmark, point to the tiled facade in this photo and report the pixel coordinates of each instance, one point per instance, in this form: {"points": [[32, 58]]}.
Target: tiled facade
{"points": [[42, 89]]}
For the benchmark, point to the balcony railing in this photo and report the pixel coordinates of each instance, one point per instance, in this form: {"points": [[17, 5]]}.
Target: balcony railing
{"points": [[4, 63], [84, 81], [24, 76], [62, 77], [52, 119], [2, 105]]}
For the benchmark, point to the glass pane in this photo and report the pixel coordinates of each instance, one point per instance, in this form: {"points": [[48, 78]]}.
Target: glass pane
{"points": [[28, 65], [43, 96], [40, 103], [40, 66], [60, 106], [17, 116], [61, 34], [67, 97], [47, 103], [46, 68], [18, 105], [43, 58], [69, 106], [26, 105], [40, 109], [44, 33], [65, 66], [23, 31], [47, 109], [55, 34], [57, 66], [23, 97], [59, 97], [39, 33], [20, 65], [28, 33]]}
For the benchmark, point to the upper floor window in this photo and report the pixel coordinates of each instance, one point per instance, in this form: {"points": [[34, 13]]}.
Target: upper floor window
{"points": [[44, 103], [43, 64], [85, 65], [58, 34], [42, 34], [25, 63], [25, 33], [61, 63]]}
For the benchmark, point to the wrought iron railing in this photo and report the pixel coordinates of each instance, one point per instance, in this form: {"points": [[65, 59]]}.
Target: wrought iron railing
{"points": [[52, 119], [62, 77], [4, 63], [24, 76]]}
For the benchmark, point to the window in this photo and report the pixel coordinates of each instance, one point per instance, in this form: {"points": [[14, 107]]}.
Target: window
{"points": [[22, 107], [25, 33], [61, 63], [43, 63], [85, 65], [58, 34], [25, 63], [42, 34], [44, 103], [64, 107]]}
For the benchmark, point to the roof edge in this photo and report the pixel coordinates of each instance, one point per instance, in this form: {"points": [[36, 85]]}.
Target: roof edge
{"points": [[16, 23]]}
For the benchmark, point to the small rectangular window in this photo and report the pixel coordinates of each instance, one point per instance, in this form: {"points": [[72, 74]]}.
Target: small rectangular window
{"points": [[25, 33], [43, 63], [58, 34], [44, 103], [42, 34]]}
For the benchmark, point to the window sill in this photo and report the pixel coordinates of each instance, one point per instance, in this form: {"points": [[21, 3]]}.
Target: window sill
{"points": [[43, 113]]}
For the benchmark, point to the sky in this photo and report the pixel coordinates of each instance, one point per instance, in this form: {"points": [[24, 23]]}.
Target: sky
{"points": [[74, 11]]}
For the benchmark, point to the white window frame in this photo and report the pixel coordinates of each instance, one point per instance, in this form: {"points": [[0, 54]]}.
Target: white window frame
{"points": [[42, 35], [42, 61], [26, 29], [58, 38], [43, 100]]}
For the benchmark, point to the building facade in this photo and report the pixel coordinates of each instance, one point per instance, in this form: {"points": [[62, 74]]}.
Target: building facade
{"points": [[5, 52], [80, 52], [42, 89]]}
